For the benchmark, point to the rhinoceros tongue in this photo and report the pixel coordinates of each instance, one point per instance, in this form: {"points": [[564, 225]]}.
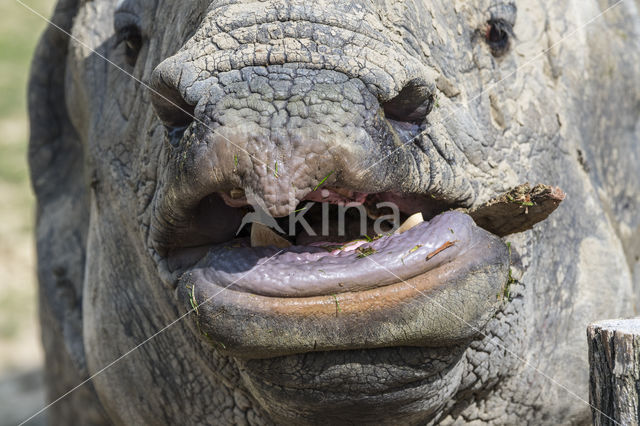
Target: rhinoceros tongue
{"points": [[302, 271]]}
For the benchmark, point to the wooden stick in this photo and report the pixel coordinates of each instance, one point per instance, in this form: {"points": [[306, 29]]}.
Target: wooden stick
{"points": [[517, 210]]}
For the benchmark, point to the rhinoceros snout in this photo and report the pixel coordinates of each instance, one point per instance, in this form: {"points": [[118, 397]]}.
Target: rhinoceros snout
{"points": [[276, 131]]}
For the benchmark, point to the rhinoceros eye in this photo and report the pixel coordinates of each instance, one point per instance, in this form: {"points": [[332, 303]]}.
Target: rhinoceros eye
{"points": [[498, 35], [131, 37]]}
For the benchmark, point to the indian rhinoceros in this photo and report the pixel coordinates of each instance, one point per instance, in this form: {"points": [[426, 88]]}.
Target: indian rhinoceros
{"points": [[156, 125]]}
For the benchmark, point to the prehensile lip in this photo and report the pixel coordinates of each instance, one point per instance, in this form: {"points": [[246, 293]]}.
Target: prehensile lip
{"points": [[433, 302]]}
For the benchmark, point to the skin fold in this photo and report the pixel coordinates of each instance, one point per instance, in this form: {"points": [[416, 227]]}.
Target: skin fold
{"points": [[491, 98]]}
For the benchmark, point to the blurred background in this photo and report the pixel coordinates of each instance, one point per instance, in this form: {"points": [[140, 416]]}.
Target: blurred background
{"points": [[21, 392]]}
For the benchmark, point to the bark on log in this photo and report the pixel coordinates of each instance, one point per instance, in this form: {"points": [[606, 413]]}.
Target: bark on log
{"points": [[614, 363]]}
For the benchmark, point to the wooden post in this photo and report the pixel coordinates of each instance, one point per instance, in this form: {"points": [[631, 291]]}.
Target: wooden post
{"points": [[614, 371]]}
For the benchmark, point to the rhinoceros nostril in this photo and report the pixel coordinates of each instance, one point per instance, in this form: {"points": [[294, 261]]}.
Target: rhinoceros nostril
{"points": [[174, 111], [176, 134], [412, 104]]}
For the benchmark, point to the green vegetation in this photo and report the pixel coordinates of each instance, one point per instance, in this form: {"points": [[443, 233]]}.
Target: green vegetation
{"points": [[19, 32], [337, 304], [525, 202], [323, 181], [192, 299], [412, 250], [365, 251], [217, 345], [19, 335], [506, 292], [301, 209]]}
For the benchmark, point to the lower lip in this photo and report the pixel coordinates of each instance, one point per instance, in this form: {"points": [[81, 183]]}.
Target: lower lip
{"points": [[445, 306]]}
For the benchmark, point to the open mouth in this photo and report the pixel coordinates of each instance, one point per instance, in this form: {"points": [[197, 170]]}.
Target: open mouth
{"points": [[339, 242], [428, 277]]}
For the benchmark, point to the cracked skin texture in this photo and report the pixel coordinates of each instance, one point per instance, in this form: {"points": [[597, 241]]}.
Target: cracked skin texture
{"points": [[307, 80]]}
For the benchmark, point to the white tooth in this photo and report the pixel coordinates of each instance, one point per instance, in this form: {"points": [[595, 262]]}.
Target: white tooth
{"points": [[413, 220], [262, 236]]}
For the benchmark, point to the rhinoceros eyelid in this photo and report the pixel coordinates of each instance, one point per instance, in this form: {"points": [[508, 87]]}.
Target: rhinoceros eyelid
{"points": [[128, 31], [505, 11], [125, 19]]}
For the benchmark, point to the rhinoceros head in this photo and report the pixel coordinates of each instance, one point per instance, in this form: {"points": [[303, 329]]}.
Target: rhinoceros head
{"points": [[191, 162]]}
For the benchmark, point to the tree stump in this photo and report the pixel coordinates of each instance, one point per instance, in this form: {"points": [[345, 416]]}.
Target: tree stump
{"points": [[614, 364]]}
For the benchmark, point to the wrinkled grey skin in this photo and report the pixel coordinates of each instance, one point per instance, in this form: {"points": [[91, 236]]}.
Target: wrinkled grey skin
{"points": [[100, 160]]}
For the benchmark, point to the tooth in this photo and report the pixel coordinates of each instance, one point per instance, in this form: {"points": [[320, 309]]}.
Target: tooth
{"points": [[236, 193], [413, 220], [262, 236]]}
